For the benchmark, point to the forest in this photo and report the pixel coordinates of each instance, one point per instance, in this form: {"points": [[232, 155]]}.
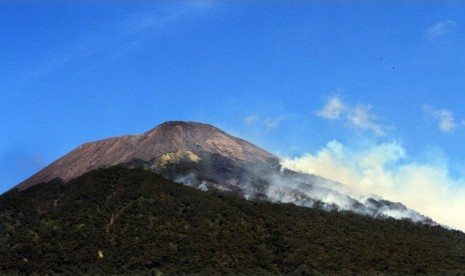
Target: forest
{"points": [[132, 221]]}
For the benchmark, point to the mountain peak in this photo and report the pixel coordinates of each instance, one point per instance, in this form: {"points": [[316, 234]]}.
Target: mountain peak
{"points": [[172, 140], [204, 137]]}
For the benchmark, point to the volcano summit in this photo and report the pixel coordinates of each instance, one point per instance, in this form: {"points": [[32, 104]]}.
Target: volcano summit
{"points": [[167, 144]]}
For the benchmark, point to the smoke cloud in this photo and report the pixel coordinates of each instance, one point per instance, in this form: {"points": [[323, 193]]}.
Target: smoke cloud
{"points": [[189, 179], [386, 170]]}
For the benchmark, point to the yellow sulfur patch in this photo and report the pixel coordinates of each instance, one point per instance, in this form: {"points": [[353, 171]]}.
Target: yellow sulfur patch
{"points": [[176, 157]]}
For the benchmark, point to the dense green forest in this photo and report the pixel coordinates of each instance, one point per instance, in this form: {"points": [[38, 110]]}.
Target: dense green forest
{"points": [[132, 221]]}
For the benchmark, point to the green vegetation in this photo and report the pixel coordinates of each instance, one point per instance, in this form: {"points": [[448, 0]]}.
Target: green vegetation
{"points": [[126, 221]]}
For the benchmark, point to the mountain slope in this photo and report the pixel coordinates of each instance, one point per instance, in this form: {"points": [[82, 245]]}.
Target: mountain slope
{"points": [[168, 143], [121, 221], [205, 157]]}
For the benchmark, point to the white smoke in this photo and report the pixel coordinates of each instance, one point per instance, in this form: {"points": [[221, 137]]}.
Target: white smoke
{"points": [[309, 191], [203, 186], [188, 179], [386, 170]]}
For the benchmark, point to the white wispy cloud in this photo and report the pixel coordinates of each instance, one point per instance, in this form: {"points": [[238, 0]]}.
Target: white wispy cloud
{"points": [[332, 109], [445, 118], [166, 15], [123, 35], [272, 123], [252, 119], [359, 116], [441, 28], [386, 170], [268, 122]]}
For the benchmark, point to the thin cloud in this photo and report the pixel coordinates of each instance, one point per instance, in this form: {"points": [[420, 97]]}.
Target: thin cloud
{"points": [[445, 118], [268, 122], [272, 123], [333, 109], [359, 116], [123, 36], [252, 119], [441, 28], [166, 15]]}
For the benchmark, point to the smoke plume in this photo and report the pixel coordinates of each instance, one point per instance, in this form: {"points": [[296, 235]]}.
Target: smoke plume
{"points": [[386, 170]]}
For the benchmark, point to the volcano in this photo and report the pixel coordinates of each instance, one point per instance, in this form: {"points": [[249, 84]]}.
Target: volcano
{"points": [[188, 198], [205, 157]]}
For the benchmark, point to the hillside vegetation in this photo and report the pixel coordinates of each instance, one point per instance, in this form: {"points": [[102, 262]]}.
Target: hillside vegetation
{"points": [[121, 220]]}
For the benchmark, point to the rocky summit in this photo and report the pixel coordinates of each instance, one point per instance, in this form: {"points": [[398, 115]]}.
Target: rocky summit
{"points": [[166, 144]]}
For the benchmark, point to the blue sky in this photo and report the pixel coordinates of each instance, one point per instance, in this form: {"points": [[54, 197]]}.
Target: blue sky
{"points": [[348, 79]]}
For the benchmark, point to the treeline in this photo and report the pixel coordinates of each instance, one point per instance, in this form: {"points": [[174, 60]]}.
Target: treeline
{"points": [[122, 221]]}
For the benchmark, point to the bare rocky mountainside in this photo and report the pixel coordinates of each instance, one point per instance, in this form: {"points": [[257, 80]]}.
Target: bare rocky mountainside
{"points": [[205, 157], [167, 144]]}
